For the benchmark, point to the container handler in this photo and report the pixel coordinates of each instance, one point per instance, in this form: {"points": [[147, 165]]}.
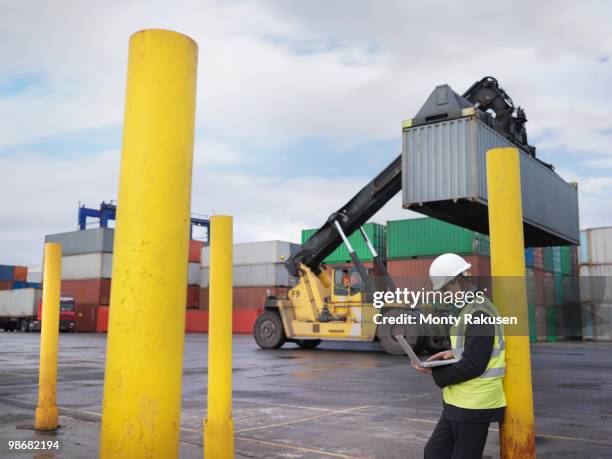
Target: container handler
{"points": [[338, 305]]}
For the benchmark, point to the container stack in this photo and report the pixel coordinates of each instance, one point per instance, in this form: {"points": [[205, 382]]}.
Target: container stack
{"points": [[15, 277], [87, 258], [258, 271], [413, 244], [595, 271]]}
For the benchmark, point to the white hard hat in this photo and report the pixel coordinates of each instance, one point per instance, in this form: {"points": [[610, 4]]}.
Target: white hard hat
{"points": [[445, 268]]}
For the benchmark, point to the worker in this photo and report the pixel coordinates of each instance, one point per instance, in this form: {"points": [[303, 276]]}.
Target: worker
{"points": [[472, 387]]}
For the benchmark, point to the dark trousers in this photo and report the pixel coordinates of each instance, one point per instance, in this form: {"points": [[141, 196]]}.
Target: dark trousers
{"points": [[457, 440]]}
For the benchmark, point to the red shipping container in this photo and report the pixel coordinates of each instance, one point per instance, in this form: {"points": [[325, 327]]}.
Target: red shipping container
{"points": [[245, 297], [539, 275], [549, 288], [538, 257], [102, 319], [20, 273], [193, 296], [88, 291], [196, 321], [195, 251], [6, 285], [86, 318]]}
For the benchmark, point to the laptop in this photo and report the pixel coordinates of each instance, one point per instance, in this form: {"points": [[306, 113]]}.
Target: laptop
{"points": [[414, 359]]}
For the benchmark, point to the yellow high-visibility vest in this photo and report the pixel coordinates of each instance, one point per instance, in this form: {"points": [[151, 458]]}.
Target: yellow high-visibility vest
{"points": [[485, 391]]}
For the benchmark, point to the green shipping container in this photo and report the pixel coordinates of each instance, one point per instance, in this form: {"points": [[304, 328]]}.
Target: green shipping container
{"points": [[559, 289], [533, 333], [531, 286], [427, 237], [377, 234], [548, 259], [552, 332], [556, 252], [566, 259]]}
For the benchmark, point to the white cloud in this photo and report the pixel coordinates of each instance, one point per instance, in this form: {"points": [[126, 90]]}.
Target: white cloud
{"points": [[272, 73]]}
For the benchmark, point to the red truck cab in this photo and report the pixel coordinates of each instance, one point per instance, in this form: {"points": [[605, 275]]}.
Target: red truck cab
{"points": [[67, 313]]}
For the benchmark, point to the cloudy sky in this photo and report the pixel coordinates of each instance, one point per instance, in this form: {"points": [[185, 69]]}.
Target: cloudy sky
{"points": [[299, 103]]}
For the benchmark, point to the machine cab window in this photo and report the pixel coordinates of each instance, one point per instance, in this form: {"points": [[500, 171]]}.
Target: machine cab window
{"points": [[347, 281]]}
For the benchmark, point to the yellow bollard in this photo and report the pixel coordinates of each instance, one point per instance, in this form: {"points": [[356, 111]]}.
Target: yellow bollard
{"points": [[46, 411], [219, 425], [510, 296], [142, 385]]}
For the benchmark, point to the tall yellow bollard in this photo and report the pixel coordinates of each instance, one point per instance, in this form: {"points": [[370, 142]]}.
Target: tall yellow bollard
{"points": [[219, 425], [142, 385], [510, 296], [46, 411]]}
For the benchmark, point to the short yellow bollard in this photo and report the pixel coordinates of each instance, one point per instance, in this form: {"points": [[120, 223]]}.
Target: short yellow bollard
{"points": [[510, 296], [142, 383], [219, 425], [46, 411]]}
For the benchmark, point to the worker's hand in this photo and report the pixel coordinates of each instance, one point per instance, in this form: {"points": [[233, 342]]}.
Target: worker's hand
{"points": [[425, 371], [444, 355]]}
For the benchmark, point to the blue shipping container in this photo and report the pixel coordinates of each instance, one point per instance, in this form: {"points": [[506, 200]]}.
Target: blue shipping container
{"points": [[529, 256], [6, 272], [19, 284]]}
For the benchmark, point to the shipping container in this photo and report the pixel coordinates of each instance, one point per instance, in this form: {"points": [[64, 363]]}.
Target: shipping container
{"points": [[87, 266], [84, 241], [102, 321], [549, 288], [529, 261], [559, 289], [19, 303], [538, 275], [413, 273], [376, 233], [426, 237], [6, 273], [34, 275], [574, 263], [533, 333], [256, 275], [444, 176], [256, 253], [548, 258], [566, 259], [541, 326], [586, 311], [602, 321], [86, 317], [530, 285], [20, 273], [596, 246], [556, 255], [538, 257], [193, 296], [19, 284], [551, 323], [6, 285], [596, 283], [246, 297], [88, 291], [193, 274], [195, 251]]}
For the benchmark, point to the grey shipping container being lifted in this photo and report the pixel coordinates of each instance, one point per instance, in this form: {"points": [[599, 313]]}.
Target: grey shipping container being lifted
{"points": [[85, 241], [444, 176]]}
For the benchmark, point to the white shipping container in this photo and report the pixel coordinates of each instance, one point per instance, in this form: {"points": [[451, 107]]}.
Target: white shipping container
{"points": [[256, 252], [34, 274], [595, 283], [586, 310], [602, 322], [597, 246], [260, 275], [21, 302], [87, 266], [193, 274]]}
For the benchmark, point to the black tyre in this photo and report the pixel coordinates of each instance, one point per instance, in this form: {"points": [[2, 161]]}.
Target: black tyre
{"points": [[386, 333], [308, 343], [268, 331], [24, 325]]}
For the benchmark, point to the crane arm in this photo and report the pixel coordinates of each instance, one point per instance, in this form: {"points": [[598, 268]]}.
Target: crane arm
{"points": [[369, 200]]}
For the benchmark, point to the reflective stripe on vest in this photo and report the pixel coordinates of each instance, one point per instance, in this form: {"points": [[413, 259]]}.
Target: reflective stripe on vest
{"points": [[485, 391]]}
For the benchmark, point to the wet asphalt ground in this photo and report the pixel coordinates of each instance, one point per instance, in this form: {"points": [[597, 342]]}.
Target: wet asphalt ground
{"points": [[343, 400]]}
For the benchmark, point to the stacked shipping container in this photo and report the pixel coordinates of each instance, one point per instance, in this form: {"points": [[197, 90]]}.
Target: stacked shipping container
{"points": [[376, 233], [596, 283], [258, 271], [87, 269], [15, 277]]}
